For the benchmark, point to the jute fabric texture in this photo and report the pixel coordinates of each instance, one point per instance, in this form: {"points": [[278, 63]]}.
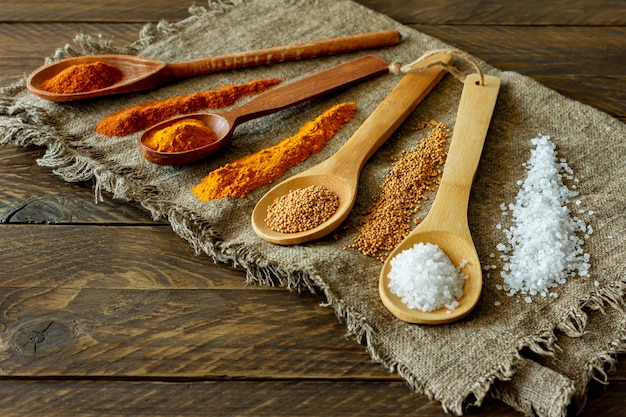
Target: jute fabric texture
{"points": [[537, 357]]}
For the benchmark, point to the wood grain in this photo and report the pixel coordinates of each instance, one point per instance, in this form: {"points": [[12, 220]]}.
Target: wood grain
{"points": [[174, 334], [105, 397], [542, 50], [109, 259], [107, 11], [138, 325], [216, 398], [506, 13], [35, 195], [446, 224], [481, 12]]}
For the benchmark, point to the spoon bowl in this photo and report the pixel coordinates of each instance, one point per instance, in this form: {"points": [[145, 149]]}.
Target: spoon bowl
{"points": [[140, 74], [342, 187], [304, 89], [221, 125], [446, 224], [461, 251], [340, 173], [136, 75]]}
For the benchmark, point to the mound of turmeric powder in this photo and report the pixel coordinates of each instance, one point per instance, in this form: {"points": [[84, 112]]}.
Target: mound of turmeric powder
{"points": [[181, 136], [240, 177]]}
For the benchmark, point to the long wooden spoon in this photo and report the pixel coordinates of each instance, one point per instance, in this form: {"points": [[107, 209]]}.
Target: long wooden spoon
{"points": [[223, 124], [143, 73], [446, 223], [340, 173]]}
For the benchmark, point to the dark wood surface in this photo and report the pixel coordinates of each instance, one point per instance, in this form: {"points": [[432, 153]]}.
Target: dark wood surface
{"points": [[105, 312]]}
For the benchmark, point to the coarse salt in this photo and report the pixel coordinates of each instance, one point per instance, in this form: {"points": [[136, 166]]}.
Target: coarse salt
{"points": [[544, 249], [425, 278]]}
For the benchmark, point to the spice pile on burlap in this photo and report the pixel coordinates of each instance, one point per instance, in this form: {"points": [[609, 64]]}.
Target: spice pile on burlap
{"points": [[565, 341]]}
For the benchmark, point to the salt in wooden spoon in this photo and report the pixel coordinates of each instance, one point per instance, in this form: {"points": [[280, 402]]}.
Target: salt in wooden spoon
{"points": [[223, 124], [340, 173], [446, 223], [143, 73]]}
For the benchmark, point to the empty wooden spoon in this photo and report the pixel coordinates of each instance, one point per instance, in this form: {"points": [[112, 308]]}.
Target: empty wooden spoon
{"points": [[340, 173], [223, 124], [143, 73], [446, 223]]}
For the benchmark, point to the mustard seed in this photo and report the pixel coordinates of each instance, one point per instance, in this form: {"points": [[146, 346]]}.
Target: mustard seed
{"points": [[302, 209], [414, 172]]}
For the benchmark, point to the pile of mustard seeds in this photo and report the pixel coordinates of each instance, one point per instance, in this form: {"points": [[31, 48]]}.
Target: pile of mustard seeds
{"points": [[302, 209], [414, 172]]}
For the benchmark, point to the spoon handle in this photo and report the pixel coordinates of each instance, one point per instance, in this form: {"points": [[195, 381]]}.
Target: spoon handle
{"points": [[385, 119], [470, 130], [283, 53], [308, 88]]}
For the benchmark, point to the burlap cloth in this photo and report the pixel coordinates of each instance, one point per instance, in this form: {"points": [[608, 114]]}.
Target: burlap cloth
{"points": [[537, 357]]}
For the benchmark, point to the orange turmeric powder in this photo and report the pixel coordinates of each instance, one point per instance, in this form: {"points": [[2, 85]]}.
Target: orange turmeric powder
{"points": [[139, 117], [244, 175], [181, 136]]}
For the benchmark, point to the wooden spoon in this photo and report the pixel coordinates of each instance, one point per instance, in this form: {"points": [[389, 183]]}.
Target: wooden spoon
{"points": [[340, 173], [223, 124], [446, 223], [143, 73]]}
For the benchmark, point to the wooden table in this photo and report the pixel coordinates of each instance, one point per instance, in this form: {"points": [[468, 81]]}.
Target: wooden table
{"points": [[105, 312]]}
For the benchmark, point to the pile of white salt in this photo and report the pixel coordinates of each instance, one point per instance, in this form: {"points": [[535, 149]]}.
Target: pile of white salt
{"points": [[544, 248], [425, 278]]}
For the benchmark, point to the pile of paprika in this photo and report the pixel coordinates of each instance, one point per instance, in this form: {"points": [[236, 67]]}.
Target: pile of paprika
{"points": [[82, 78], [141, 116]]}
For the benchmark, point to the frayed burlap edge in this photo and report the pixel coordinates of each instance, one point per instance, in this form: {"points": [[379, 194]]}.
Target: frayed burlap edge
{"points": [[574, 393], [28, 129], [605, 363]]}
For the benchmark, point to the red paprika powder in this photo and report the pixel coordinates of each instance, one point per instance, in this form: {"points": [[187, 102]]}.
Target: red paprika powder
{"points": [[139, 117], [81, 78]]}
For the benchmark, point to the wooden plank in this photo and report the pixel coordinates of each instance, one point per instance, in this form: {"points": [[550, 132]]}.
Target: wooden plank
{"points": [[111, 257], [76, 332], [303, 398], [164, 314], [143, 339], [541, 50], [12, 157], [23, 40], [460, 12], [226, 398], [544, 54], [497, 12], [112, 11]]}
